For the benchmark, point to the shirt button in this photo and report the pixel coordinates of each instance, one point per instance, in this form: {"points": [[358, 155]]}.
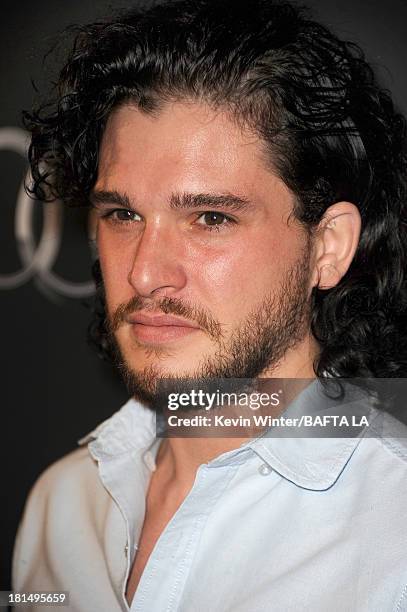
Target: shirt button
{"points": [[265, 469], [126, 550]]}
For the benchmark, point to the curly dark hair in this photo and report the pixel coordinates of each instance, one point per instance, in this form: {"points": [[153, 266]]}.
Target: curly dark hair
{"points": [[331, 132]]}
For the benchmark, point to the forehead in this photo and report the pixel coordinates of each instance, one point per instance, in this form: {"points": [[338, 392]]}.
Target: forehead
{"points": [[184, 147]]}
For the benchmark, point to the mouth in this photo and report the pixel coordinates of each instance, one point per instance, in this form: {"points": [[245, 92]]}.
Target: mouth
{"points": [[160, 328]]}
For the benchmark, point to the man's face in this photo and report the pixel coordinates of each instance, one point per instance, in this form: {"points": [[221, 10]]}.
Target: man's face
{"points": [[195, 229]]}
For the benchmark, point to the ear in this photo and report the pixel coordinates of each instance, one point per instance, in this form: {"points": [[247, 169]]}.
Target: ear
{"points": [[336, 241]]}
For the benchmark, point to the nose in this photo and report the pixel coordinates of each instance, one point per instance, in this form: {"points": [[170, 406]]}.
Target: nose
{"points": [[158, 267]]}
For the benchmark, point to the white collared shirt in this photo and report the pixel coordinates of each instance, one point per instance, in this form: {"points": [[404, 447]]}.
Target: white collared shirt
{"points": [[276, 525]]}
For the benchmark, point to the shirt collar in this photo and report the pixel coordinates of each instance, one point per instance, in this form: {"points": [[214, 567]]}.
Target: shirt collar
{"points": [[316, 457], [132, 428], [313, 463]]}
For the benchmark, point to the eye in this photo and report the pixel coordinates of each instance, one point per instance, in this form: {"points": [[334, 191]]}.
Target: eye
{"points": [[213, 219], [122, 215]]}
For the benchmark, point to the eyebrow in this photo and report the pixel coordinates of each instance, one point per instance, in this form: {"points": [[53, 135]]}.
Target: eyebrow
{"points": [[209, 200], [178, 201], [100, 197]]}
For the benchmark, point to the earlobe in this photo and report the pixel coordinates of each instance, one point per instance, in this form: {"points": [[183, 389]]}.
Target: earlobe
{"points": [[329, 276], [336, 243]]}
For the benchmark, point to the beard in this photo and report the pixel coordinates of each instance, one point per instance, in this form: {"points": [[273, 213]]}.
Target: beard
{"points": [[278, 323]]}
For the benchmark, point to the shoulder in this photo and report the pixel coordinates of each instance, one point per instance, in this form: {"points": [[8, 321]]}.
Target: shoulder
{"points": [[388, 436], [78, 471], [68, 465], [378, 467], [76, 466], [68, 493], [65, 487]]}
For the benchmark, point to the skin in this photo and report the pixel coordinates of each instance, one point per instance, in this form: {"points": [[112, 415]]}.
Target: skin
{"points": [[155, 251], [189, 148]]}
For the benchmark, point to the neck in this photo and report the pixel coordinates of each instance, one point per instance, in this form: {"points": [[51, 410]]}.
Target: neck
{"points": [[178, 459]]}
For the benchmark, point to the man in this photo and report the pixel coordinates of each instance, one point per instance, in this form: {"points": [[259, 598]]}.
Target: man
{"points": [[247, 174]]}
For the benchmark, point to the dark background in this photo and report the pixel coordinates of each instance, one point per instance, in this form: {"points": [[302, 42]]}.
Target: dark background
{"points": [[54, 388]]}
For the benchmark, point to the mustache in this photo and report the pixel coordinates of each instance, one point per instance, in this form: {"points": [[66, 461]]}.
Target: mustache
{"points": [[166, 305]]}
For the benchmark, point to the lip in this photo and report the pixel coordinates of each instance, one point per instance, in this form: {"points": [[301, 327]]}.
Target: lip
{"points": [[160, 320], [160, 328]]}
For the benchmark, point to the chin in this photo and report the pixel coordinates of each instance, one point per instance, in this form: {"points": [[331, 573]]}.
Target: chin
{"points": [[164, 368], [166, 363], [171, 359], [152, 383]]}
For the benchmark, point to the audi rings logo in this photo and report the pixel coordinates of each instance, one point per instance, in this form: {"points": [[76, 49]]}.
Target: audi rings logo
{"points": [[37, 259]]}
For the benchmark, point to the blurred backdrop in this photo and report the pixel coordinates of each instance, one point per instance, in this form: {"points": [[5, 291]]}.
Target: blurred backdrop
{"points": [[54, 388]]}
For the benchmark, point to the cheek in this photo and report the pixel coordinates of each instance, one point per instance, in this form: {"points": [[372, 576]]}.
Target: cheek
{"points": [[115, 264], [238, 276]]}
